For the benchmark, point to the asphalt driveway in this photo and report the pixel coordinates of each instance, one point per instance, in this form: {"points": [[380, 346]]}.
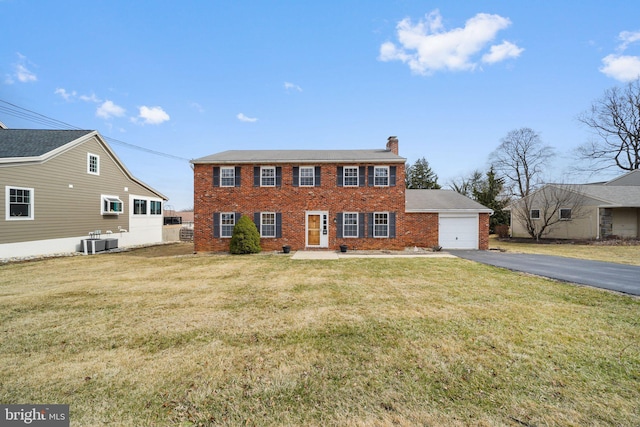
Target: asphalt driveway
{"points": [[605, 275]]}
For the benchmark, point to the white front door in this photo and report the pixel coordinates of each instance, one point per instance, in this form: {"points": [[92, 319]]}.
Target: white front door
{"points": [[317, 229]]}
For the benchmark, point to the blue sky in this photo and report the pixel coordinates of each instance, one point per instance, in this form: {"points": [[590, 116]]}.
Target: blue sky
{"points": [[193, 78]]}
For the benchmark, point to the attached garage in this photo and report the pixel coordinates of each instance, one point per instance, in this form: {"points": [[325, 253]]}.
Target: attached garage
{"points": [[462, 223], [458, 231]]}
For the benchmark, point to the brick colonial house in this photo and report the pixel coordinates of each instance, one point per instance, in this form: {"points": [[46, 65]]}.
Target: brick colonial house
{"points": [[321, 199]]}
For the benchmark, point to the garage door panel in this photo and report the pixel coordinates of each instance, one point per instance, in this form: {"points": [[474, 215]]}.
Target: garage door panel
{"points": [[458, 231]]}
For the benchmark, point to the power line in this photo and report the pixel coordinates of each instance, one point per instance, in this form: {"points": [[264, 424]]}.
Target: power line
{"points": [[29, 115]]}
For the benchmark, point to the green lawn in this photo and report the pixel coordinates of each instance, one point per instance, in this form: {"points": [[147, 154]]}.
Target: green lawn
{"points": [[142, 338]]}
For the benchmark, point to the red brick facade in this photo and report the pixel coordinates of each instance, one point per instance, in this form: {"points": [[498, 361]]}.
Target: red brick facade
{"points": [[292, 205]]}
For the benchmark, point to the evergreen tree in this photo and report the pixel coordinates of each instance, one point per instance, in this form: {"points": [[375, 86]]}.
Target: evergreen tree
{"points": [[421, 176], [245, 238], [489, 192]]}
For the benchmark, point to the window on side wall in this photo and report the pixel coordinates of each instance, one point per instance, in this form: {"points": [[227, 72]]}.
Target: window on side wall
{"points": [[534, 214], [155, 207], [19, 202], [227, 223], [565, 214], [111, 205], [139, 207], [350, 174], [93, 164], [381, 176], [267, 176]]}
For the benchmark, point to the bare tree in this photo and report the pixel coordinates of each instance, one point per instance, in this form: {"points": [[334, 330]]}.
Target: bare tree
{"points": [[520, 159], [615, 121], [467, 185], [544, 209]]}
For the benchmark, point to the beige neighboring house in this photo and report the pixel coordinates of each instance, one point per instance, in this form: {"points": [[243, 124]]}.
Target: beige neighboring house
{"points": [[606, 209], [61, 185]]}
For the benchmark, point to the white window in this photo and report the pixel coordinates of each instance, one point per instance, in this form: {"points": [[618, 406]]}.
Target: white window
{"points": [[139, 207], [350, 174], [227, 177], [19, 202], [307, 176], [111, 205], [350, 224], [565, 214], [534, 214], [267, 176], [381, 224], [267, 224], [156, 207], [227, 223], [93, 164], [381, 176]]}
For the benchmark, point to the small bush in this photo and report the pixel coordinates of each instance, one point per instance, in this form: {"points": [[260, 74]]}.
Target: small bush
{"points": [[245, 238]]}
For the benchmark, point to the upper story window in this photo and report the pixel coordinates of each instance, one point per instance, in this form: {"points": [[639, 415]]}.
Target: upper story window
{"points": [[565, 214], [139, 207], [19, 202], [307, 175], [350, 176], [381, 176], [93, 164], [155, 207], [111, 205], [267, 176], [227, 177], [534, 214]]}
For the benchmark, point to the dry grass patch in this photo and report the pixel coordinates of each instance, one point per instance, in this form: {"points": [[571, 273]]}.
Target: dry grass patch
{"points": [[132, 339], [621, 252]]}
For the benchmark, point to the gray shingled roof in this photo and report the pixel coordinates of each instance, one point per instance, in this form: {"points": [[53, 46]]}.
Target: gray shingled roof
{"points": [[35, 142], [441, 201], [301, 156], [611, 195]]}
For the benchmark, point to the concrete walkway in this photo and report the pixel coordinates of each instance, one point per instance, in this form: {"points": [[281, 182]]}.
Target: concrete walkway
{"points": [[347, 255]]}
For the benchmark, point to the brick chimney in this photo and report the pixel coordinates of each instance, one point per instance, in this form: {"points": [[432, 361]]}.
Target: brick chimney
{"points": [[392, 144]]}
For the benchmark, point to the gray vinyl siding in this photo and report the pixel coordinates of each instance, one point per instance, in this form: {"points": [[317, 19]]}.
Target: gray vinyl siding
{"points": [[60, 211]]}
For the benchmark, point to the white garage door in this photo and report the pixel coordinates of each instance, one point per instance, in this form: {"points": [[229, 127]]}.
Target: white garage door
{"points": [[458, 231]]}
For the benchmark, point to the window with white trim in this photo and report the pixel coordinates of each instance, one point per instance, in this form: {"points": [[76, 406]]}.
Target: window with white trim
{"points": [[534, 214], [111, 205], [350, 174], [350, 224], [565, 214], [267, 176], [139, 207], [155, 207], [381, 176], [267, 224], [307, 176], [19, 202], [381, 224], [227, 223], [93, 164], [227, 177]]}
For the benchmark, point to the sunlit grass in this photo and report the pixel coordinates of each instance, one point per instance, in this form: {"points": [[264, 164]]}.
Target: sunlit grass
{"points": [[266, 340]]}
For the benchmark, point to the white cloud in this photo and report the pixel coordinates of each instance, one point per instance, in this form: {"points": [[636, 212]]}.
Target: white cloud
{"points": [[90, 98], [244, 118], [500, 52], [153, 115], [292, 86], [21, 72], [197, 107], [108, 109], [624, 68], [621, 67], [64, 94], [426, 47]]}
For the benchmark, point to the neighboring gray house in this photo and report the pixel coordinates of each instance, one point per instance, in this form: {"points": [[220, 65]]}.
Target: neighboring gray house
{"points": [[60, 185], [606, 209]]}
